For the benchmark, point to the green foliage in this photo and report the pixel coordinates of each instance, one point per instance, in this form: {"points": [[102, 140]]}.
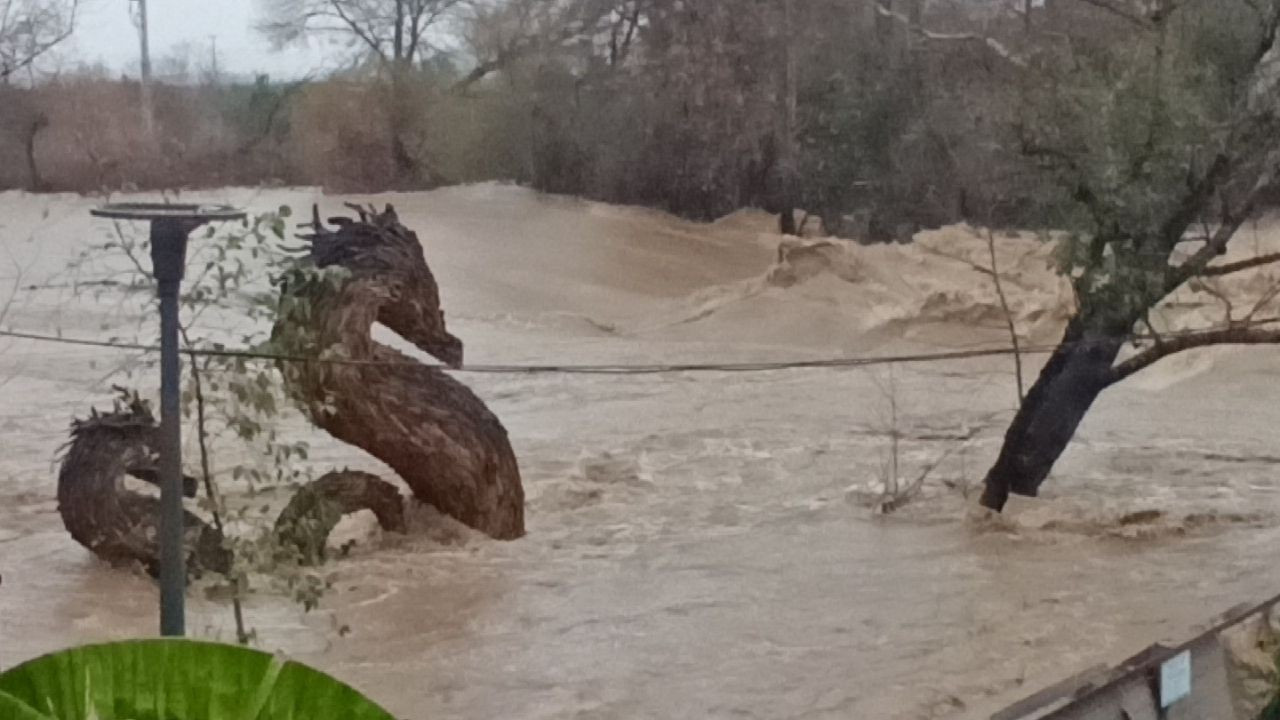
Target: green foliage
{"points": [[858, 136], [175, 679], [1128, 126], [1133, 120], [1272, 709]]}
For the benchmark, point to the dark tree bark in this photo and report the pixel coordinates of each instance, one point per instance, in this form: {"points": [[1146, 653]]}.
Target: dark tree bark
{"points": [[1076, 374]]}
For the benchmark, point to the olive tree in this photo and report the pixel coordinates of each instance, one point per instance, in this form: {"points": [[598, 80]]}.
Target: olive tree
{"points": [[1160, 122]]}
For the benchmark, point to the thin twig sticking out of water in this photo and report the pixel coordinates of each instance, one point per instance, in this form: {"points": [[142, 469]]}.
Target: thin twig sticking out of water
{"points": [[994, 273], [1008, 314], [7, 305], [237, 609], [896, 492]]}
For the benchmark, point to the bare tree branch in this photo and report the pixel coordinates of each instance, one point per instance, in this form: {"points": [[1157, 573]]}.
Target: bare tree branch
{"points": [[421, 21], [7, 306], [1263, 301], [1216, 245], [1212, 291], [1008, 314], [1245, 335], [392, 31], [539, 32], [31, 28], [365, 34], [1239, 266]]}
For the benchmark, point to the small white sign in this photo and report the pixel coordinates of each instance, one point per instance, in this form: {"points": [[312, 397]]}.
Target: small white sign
{"points": [[1175, 678]]}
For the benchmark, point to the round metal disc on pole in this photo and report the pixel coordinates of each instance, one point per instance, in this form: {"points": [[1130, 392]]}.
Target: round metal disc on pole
{"points": [[168, 211], [170, 226]]}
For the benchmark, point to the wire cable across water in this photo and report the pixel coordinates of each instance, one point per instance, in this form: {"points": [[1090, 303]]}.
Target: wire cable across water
{"points": [[570, 369]]}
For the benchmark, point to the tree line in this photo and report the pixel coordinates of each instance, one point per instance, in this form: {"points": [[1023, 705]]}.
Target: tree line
{"points": [[847, 112]]}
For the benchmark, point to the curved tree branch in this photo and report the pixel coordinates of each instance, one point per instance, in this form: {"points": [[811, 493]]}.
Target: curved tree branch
{"points": [[1240, 266], [1171, 345], [1216, 244], [365, 34]]}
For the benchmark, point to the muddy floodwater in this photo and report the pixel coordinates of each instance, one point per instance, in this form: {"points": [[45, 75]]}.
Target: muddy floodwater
{"points": [[699, 543]]}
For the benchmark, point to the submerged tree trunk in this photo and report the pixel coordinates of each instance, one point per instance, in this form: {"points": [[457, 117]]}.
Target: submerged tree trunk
{"points": [[1079, 370]]}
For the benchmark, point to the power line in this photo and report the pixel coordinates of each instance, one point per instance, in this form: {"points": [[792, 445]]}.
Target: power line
{"points": [[569, 369], [625, 369]]}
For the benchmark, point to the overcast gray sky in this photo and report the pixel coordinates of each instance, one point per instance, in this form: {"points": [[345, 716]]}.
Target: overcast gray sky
{"points": [[106, 34]]}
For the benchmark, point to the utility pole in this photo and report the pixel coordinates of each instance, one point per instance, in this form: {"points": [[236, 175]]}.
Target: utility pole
{"points": [[148, 117], [213, 60]]}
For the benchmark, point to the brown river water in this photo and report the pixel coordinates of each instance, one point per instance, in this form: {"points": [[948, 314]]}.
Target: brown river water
{"points": [[699, 545]]}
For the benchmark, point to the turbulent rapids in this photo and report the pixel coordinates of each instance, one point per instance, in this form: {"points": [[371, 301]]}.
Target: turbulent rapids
{"points": [[667, 516]]}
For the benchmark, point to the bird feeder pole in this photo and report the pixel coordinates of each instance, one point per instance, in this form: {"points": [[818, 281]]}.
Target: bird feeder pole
{"points": [[170, 227]]}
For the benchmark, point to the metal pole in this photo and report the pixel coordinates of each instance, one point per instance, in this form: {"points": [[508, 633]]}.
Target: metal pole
{"points": [[168, 257], [213, 45], [144, 41]]}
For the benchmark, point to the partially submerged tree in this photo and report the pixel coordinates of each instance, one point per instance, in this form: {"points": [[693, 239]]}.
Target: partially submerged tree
{"points": [[1161, 120]]}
